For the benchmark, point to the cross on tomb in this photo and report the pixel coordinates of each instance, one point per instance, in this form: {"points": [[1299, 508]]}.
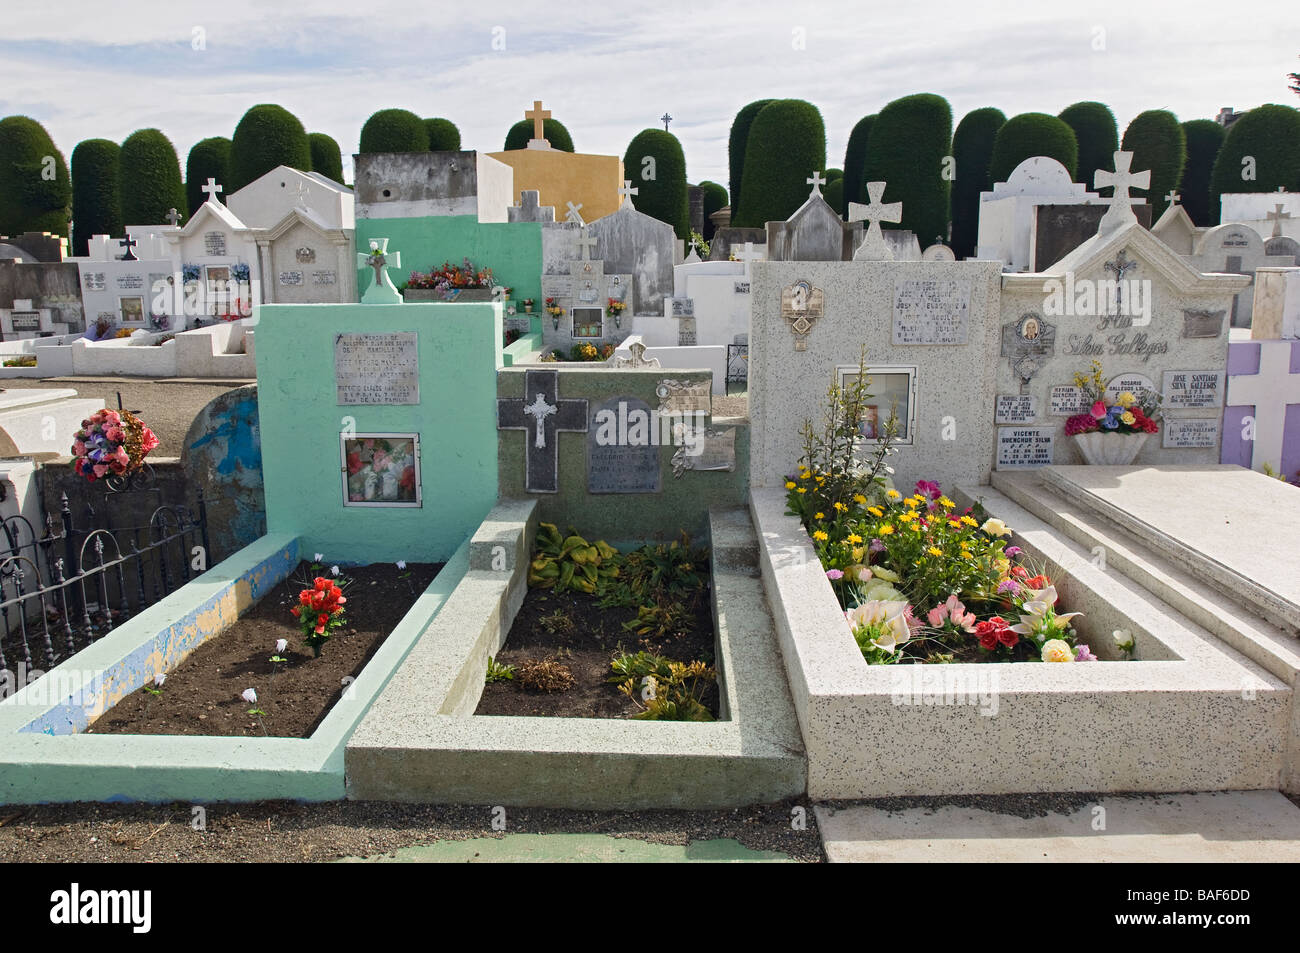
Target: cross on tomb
{"points": [[573, 215], [873, 247], [380, 259], [1173, 197], [665, 119], [128, 243], [303, 191], [1120, 267], [585, 243], [211, 188], [174, 217], [542, 412], [747, 254], [1269, 393], [1276, 217], [816, 182], [539, 116], [1121, 203], [626, 192]]}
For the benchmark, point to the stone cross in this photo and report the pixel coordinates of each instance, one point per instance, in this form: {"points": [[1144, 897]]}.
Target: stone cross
{"points": [[211, 188], [539, 116], [638, 358], [303, 191], [665, 119], [1276, 217], [128, 243], [747, 254], [816, 182], [873, 247], [1121, 203], [1269, 392], [379, 258], [585, 243], [626, 192], [174, 217], [573, 215], [1120, 268], [1173, 197], [542, 412]]}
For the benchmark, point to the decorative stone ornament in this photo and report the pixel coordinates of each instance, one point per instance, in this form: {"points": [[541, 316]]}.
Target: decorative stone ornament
{"points": [[801, 306]]}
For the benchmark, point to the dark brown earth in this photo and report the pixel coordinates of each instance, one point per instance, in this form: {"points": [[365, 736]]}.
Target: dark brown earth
{"points": [[202, 695]]}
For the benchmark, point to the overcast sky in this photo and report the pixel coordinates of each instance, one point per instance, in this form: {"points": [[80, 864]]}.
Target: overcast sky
{"points": [[90, 69]]}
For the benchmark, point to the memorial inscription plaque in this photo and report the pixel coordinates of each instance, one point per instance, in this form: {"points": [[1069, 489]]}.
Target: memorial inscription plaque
{"points": [[1195, 389], [931, 311], [377, 368], [214, 243], [1067, 400], [1024, 448], [1191, 432], [622, 447], [1015, 409]]}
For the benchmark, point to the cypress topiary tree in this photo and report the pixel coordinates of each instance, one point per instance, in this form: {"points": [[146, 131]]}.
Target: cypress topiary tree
{"points": [[715, 198], [1156, 140], [909, 142], [787, 144], [737, 141], [831, 175], [326, 158], [1097, 136], [1260, 153], [151, 178], [96, 192], [267, 136], [443, 135], [1204, 140], [855, 158], [394, 130], [833, 193], [209, 159], [662, 184], [972, 150], [35, 188], [1032, 134], [522, 131]]}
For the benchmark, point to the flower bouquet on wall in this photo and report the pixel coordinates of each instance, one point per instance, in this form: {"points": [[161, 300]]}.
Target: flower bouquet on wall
{"points": [[1112, 431], [111, 444], [451, 283]]}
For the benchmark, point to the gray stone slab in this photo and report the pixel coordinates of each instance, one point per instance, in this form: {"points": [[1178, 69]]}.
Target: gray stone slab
{"points": [[1060, 229]]}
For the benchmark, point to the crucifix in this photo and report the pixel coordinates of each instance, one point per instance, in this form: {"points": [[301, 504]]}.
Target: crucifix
{"points": [[1121, 203], [665, 119], [626, 192], [1276, 217], [873, 247], [816, 182], [174, 217], [211, 188], [539, 116], [128, 243], [379, 258], [542, 411], [585, 243], [573, 215], [1120, 267], [1173, 197]]}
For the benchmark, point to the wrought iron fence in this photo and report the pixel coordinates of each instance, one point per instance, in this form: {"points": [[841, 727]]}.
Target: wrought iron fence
{"points": [[69, 586], [737, 366]]}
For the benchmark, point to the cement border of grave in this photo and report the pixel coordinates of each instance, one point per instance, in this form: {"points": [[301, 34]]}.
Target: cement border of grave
{"points": [[525, 349], [38, 765], [421, 741], [1190, 715]]}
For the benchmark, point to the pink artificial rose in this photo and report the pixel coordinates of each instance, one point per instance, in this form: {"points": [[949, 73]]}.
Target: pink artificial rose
{"points": [[121, 456], [79, 448], [1098, 410], [100, 469], [112, 417], [114, 434]]}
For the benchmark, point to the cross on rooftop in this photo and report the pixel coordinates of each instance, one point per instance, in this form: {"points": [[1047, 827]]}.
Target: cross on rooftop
{"points": [[1276, 217], [573, 215], [303, 191], [747, 254], [816, 182], [585, 243], [173, 216], [128, 243], [542, 412], [1173, 197], [665, 119], [211, 188], [539, 116], [873, 247], [1121, 203], [381, 290], [626, 192]]}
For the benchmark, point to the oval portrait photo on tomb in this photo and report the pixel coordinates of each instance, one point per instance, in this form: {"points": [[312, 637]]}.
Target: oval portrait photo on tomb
{"points": [[1030, 327], [381, 469]]}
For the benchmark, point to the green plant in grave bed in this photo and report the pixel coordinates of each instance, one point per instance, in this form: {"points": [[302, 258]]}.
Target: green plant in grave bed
{"points": [[570, 562], [662, 621], [496, 672], [664, 690], [659, 574]]}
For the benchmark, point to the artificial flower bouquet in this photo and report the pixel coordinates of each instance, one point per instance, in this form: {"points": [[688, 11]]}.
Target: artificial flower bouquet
{"points": [[111, 443], [553, 309], [615, 308], [1128, 414], [451, 278], [319, 612]]}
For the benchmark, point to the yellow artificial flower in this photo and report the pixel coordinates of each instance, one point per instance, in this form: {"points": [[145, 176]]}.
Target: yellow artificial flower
{"points": [[893, 494], [858, 552], [854, 538], [820, 536], [935, 551], [789, 485], [875, 511], [803, 489], [819, 516], [946, 503], [912, 502], [840, 507], [886, 529], [969, 522], [1126, 399], [1127, 417], [906, 517], [1057, 650], [995, 527], [860, 500]]}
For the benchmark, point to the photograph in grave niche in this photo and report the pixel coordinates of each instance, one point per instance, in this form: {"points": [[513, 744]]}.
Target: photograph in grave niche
{"points": [[588, 322], [381, 469], [892, 391]]}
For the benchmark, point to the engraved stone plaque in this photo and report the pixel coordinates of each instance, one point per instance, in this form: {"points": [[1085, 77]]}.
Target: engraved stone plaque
{"points": [[1015, 409], [214, 243], [931, 311], [1191, 432], [1067, 400], [377, 368], [623, 447], [1024, 448], [1193, 388], [684, 397], [1202, 324]]}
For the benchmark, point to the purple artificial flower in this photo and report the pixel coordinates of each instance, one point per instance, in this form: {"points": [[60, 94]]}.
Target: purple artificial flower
{"points": [[876, 546], [1084, 654], [1013, 551], [928, 488], [835, 574], [1010, 586]]}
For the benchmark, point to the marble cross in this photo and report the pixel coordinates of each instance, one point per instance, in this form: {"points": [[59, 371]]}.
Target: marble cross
{"points": [[665, 119], [873, 247], [1173, 197], [747, 254], [1268, 394], [128, 243], [542, 412], [303, 191], [816, 182], [585, 243], [626, 192], [1276, 217], [382, 289], [539, 116], [1120, 212], [174, 217], [211, 188], [573, 215]]}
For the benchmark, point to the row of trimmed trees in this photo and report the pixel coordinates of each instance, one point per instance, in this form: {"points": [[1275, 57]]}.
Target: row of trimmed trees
{"points": [[938, 172]]}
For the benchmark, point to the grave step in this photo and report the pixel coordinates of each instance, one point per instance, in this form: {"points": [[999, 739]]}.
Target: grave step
{"points": [[733, 541]]}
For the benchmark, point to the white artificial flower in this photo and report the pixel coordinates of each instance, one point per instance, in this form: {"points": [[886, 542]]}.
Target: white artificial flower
{"points": [[1035, 609], [401, 564], [249, 696], [159, 678], [281, 645], [891, 614], [995, 527], [334, 570], [319, 558]]}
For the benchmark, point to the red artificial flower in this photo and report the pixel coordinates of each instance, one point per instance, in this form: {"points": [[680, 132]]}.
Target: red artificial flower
{"points": [[1008, 638], [1037, 582], [991, 633]]}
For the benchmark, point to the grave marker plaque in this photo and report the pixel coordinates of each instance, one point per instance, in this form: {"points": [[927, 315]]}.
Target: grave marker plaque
{"points": [[1015, 409], [214, 244], [1195, 389], [130, 282], [622, 447], [377, 368], [324, 277], [25, 320], [684, 397], [1067, 400], [291, 277], [931, 311], [1024, 448], [1191, 432]]}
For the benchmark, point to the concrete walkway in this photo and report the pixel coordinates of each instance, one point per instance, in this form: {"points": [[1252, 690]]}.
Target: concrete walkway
{"points": [[1258, 826], [572, 848]]}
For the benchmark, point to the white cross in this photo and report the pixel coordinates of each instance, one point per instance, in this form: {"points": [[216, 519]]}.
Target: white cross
{"points": [[626, 192], [816, 182], [573, 215], [747, 254], [1173, 197], [540, 409], [873, 247], [1268, 392], [1121, 203], [1276, 217], [303, 192], [173, 216], [211, 188], [585, 243]]}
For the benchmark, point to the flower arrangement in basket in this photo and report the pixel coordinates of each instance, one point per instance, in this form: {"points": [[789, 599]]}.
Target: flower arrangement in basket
{"points": [[1112, 433], [319, 612], [553, 309], [111, 443]]}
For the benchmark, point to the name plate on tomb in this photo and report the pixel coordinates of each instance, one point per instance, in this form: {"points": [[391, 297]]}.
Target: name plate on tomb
{"points": [[684, 397], [1191, 432], [1015, 409], [931, 311], [377, 368], [25, 320], [623, 442], [214, 243], [1024, 448], [1066, 400], [1193, 389]]}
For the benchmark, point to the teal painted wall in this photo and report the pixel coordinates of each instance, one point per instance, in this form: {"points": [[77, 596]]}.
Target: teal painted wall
{"points": [[512, 251], [459, 352]]}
